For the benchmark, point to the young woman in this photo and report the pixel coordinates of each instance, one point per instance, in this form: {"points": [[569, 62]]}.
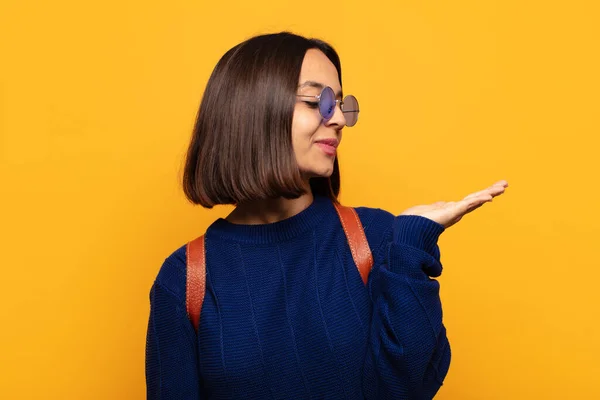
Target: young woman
{"points": [[285, 312]]}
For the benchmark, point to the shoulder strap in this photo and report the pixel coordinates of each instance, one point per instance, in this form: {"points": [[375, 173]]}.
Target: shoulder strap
{"points": [[196, 261], [195, 285], [355, 234]]}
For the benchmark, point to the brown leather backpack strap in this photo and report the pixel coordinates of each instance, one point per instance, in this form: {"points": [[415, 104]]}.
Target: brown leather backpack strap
{"points": [[361, 253], [195, 286]]}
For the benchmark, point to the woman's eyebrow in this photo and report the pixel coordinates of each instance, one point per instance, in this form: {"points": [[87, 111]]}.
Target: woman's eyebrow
{"points": [[318, 86]]}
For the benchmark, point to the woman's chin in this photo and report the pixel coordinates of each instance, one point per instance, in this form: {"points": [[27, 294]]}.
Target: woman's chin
{"points": [[318, 170], [325, 173]]}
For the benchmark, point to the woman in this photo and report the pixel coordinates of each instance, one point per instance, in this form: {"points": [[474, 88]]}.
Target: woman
{"points": [[285, 312]]}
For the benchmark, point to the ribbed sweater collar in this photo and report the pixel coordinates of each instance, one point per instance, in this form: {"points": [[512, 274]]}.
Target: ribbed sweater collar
{"points": [[283, 230]]}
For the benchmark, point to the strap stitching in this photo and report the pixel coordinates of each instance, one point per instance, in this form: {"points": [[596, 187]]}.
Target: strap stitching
{"points": [[187, 281], [350, 242], [195, 276], [363, 238]]}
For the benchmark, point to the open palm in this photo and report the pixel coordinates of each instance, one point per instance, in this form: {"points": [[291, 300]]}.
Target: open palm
{"points": [[449, 213]]}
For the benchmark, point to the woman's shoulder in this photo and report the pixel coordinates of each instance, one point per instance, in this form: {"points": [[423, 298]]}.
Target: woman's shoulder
{"points": [[377, 224], [375, 219], [172, 273]]}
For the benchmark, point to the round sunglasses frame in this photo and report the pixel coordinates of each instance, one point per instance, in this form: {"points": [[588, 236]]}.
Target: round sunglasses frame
{"points": [[328, 94]]}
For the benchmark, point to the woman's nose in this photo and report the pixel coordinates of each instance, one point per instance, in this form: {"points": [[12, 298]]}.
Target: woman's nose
{"points": [[338, 117]]}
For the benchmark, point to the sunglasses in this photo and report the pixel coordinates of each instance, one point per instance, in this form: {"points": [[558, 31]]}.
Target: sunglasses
{"points": [[327, 103]]}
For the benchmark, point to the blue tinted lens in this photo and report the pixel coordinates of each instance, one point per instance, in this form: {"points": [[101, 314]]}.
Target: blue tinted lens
{"points": [[327, 103]]}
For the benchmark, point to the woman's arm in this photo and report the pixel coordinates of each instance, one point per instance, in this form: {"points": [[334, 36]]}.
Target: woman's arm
{"points": [[171, 349], [408, 354]]}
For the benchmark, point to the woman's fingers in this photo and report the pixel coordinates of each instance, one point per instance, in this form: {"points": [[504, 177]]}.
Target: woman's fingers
{"points": [[494, 190], [477, 199], [468, 205]]}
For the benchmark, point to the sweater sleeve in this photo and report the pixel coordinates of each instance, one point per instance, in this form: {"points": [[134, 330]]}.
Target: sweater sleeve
{"points": [[408, 354], [171, 357]]}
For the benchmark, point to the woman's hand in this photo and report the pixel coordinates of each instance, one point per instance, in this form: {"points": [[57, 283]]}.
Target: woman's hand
{"points": [[449, 213]]}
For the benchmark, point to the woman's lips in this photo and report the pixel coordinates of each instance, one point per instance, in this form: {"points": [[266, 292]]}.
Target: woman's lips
{"points": [[329, 146]]}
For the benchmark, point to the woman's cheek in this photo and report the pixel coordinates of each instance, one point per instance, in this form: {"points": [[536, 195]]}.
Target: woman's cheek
{"points": [[305, 121]]}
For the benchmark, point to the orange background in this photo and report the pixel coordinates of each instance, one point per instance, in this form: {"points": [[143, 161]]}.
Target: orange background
{"points": [[96, 109]]}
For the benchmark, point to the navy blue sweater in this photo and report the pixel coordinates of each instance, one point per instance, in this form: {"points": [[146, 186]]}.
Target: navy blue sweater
{"points": [[287, 316]]}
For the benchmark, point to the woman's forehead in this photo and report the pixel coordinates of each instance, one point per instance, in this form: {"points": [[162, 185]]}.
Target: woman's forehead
{"points": [[317, 70]]}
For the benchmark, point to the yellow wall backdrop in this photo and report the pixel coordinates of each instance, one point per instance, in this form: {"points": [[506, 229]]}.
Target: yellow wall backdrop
{"points": [[97, 102]]}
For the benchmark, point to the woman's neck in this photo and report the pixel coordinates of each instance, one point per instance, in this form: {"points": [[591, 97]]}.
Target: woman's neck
{"points": [[269, 211]]}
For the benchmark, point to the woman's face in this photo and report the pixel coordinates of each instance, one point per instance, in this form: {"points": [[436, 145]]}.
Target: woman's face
{"points": [[315, 140]]}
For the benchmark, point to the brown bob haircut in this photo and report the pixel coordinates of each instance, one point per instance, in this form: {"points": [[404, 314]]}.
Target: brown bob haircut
{"points": [[241, 145]]}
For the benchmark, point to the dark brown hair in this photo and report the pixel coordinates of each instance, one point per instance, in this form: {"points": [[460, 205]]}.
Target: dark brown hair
{"points": [[241, 146]]}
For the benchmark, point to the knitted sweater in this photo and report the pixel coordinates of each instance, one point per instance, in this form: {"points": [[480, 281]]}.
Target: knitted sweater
{"points": [[287, 316]]}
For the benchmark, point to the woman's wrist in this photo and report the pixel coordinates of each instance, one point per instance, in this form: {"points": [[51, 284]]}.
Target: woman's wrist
{"points": [[417, 231]]}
